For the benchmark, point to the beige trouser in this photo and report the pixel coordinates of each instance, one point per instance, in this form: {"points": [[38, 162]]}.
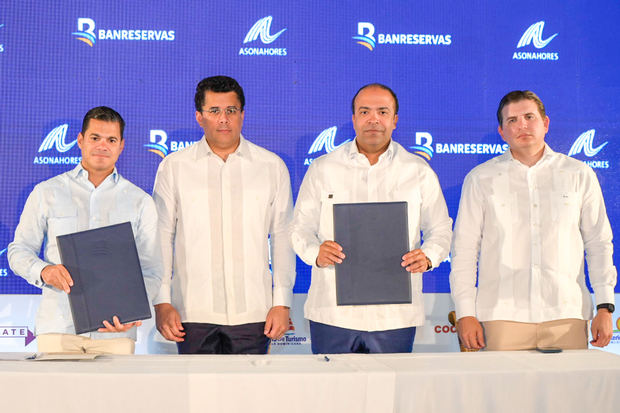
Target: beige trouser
{"points": [[70, 343], [567, 334]]}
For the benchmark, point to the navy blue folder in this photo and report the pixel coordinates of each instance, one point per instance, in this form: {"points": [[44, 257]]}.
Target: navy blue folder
{"points": [[107, 278], [374, 236]]}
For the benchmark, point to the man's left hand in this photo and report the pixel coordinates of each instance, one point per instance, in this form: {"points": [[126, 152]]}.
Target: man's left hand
{"points": [[602, 328], [415, 261], [277, 322], [117, 327]]}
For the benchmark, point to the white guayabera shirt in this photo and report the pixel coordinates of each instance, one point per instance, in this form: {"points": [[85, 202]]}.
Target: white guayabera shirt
{"points": [[525, 229], [70, 203], [216, 220], [345, 175]]}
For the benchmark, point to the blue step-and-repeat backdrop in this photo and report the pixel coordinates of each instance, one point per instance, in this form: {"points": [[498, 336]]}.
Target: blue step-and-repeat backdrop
{"points": [[299, 63]]}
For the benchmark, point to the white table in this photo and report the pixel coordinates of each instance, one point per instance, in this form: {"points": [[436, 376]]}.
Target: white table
{"points": [[573, 381]]}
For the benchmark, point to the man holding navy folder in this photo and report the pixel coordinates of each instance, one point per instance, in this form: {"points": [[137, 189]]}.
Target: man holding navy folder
{"points": [[92, 195], [371, 168]]}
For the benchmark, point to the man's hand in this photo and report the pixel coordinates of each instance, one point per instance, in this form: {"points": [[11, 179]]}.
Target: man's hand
{"points": [[329, 253], [168, 322], [57, 276], [602, 328], [470, 332], [277, 322], [415, 261], [117, 327]]}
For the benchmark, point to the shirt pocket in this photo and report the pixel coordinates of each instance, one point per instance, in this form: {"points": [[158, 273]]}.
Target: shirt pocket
{"points": [[503, 209], [565, 207], [62, 221]]}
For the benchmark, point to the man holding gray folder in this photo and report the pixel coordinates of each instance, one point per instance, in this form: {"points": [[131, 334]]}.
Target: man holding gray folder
{"points": [[92, 195], [370, 169]]}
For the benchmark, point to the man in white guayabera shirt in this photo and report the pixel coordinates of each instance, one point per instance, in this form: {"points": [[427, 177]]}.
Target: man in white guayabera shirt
{"points": [[524, 221], [92, 195], [371, 168], [221, 202]]}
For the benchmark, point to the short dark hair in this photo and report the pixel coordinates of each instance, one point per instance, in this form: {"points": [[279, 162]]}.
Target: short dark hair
{"points": [[103, 113], [517, 96], [381, 86], [217, 84]]}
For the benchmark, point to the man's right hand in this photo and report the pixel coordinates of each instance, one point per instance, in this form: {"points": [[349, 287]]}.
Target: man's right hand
{"points": [[470, 332], [329, 253], [57, 276], [168, 322]]}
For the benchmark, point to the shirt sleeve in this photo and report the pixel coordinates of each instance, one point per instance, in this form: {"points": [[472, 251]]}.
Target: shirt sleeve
{"points": [[165, 202], [305, 226], [465, 249], [149, 252], [435, 223], [283, 256], [23, 252], [596, 233]]}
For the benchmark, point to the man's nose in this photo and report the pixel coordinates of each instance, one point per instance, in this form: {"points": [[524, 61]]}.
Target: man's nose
{"points": [[223, 117], [103, 145]]}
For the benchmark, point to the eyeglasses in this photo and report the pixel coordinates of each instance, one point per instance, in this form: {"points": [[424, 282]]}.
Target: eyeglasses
{"points": [[231, 111]]}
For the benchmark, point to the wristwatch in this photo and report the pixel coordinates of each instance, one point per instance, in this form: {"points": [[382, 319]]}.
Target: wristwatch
{"points": [[429, 264], [609, 307]]}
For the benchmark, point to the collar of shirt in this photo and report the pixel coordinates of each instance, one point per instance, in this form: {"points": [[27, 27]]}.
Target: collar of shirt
{"points": [[204, 149], [79, 171], [548, 154], [354, 152]]}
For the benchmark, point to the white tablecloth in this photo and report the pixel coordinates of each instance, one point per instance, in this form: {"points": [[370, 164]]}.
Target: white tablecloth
{"points": [[572, 381]]}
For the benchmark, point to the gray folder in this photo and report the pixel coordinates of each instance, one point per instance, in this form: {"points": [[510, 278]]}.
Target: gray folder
{"points": [[107, 278], [374, 236]]}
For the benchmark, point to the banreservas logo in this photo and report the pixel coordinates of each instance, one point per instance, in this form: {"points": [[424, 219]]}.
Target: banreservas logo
{"points": [[424, 147], [534, 36], [262, 30], [56, 139], [158, 143], [366, 37], [86, 33]]}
